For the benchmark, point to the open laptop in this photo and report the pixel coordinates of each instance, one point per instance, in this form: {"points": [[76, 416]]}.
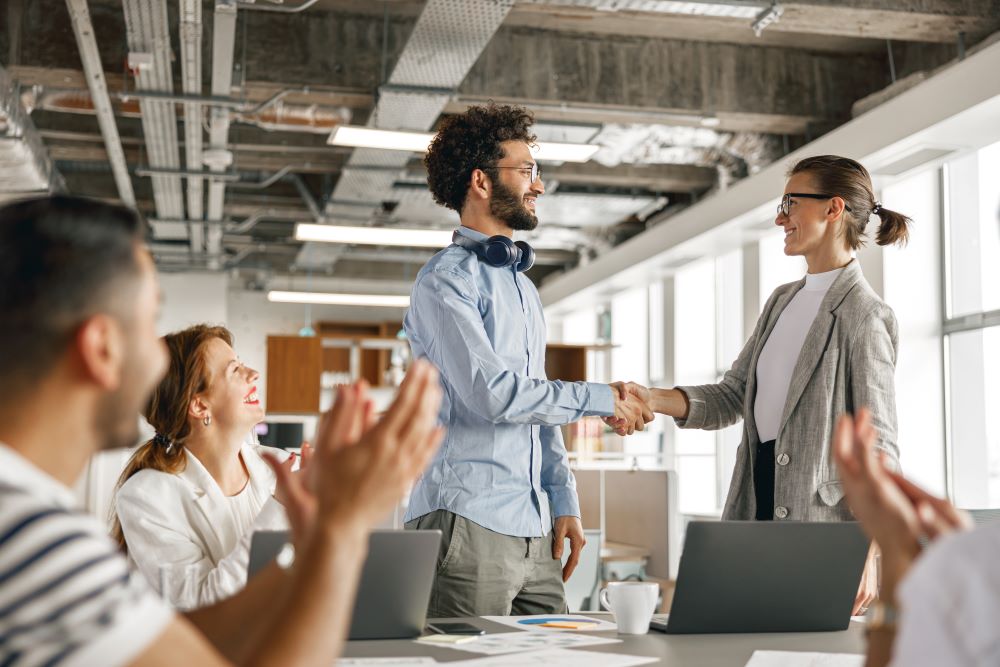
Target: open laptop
{"points": [[766, 576], [395, 586]]}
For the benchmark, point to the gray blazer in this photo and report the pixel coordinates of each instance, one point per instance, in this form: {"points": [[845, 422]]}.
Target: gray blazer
{"points": [[848, 360]]}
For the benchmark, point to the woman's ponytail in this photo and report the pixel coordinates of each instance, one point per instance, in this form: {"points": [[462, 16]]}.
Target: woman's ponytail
{"points": [[894, 228]]}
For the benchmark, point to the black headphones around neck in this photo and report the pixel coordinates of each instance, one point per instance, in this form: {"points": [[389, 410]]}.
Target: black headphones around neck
{"points": [[498, 251]]}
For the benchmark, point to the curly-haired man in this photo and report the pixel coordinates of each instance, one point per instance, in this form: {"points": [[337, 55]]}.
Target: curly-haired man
{"points": [[502, 473]]}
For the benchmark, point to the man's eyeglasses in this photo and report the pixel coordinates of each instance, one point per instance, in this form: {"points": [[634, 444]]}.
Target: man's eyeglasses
{"points": [[534, 172], [786, 200]]}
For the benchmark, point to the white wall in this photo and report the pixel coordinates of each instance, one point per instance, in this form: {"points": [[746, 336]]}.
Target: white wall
{"points": [[192, 298]]}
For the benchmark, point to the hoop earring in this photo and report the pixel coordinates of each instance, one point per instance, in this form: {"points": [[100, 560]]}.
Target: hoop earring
{"points": [[207, 421]]}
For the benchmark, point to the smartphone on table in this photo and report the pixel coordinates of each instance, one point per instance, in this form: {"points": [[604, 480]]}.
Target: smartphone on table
{"points": [[455, 629]]}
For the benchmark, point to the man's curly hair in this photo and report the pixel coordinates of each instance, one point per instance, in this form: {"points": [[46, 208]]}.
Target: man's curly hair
{"points": [[471, 141]]}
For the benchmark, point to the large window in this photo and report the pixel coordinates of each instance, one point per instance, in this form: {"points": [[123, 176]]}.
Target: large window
{"points": [[708, 336], [776, 268], [972, 326], [911, 277], [695, 362]]}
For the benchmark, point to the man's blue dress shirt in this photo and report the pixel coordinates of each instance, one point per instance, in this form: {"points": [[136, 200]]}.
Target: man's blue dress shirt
{"points": [[503, 460]]}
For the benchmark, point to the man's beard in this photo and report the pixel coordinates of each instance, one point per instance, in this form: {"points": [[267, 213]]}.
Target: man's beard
{"points": [[509, 209]]}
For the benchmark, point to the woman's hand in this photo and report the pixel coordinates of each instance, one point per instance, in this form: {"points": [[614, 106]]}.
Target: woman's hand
{"points": [[868, 590], [893, 511], [291, 489]]}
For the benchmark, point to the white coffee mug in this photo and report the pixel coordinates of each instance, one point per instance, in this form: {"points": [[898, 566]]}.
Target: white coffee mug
{"points": [[632, 603]]}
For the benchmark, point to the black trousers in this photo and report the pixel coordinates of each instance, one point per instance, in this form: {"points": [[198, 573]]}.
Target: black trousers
{"points": [[763, 481]]}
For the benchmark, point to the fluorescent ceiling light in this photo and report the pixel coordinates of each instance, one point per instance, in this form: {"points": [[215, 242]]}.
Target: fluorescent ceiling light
{"points": [[327, 298], [417, 142], [367, 137], [417, 238]]}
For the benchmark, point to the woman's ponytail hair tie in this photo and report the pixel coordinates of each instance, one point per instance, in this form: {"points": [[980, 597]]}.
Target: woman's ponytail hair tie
{"points": [[163, 441], [876, 208]]}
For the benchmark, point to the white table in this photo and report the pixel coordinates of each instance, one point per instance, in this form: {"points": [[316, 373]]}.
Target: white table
{"points": [[677, 650]]}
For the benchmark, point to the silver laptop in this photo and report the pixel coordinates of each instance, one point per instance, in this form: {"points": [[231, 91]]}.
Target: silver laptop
{"points": [[395, 586], [766, 576]]}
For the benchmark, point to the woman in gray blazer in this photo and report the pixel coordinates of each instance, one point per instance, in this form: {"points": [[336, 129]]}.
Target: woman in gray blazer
{"points": [[823, 345]]}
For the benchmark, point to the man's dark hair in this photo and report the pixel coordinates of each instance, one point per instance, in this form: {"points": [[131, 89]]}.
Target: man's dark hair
{"points": [[470, 141], [62, 260]]}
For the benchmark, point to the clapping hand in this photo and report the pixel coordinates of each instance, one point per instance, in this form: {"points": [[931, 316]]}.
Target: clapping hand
{"points": [[361, 467], [632, 408], [893, 511]]}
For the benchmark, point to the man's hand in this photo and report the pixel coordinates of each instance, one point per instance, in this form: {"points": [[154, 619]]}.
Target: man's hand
{"points": [[364, 481], [893, 511], [360, 468], [571, 527], [632, 408]]}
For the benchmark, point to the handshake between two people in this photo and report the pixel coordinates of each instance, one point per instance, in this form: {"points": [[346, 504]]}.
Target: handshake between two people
{"points": [[633, 408]]}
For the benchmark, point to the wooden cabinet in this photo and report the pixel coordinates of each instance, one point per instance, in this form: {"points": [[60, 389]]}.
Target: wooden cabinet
{"points": [[566, 362], [294, 365]]}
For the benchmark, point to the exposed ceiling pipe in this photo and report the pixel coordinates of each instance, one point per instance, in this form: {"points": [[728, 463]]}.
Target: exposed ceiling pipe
{"points": [[267, 182], [148, 36], [91, 58], [190, 47], [223, 47], [250, 221], [307, 197]]}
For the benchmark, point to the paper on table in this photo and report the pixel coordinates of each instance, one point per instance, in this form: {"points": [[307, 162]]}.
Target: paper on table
{"points": [[557, 657], [514, 642], [385, 662], [804, 659], [532, 623]]}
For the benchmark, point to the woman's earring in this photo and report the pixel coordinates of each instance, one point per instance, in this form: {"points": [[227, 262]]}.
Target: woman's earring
{"points": [[207, 421]]}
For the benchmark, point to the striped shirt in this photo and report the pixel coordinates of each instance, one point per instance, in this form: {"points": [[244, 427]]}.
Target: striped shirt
{"points": [[67, 596]]}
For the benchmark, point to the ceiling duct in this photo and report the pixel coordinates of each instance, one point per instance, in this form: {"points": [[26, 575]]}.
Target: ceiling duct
{"points": [[148, 36], [223, 48], [447, 40], [190, 52], [25, 168]]}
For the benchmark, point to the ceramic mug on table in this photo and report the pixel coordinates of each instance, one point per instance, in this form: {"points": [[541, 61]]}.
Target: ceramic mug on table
{"points": [[632, 603]]}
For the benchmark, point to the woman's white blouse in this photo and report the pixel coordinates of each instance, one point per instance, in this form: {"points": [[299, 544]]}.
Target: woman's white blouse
{"points": [[781, 352], [191, 541]]}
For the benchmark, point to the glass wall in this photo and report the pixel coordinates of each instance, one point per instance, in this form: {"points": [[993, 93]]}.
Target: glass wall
{"points": [[972, 326]]}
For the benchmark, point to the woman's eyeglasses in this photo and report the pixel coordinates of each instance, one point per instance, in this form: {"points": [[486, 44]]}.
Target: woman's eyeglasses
{"points": [[786, 200]]}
